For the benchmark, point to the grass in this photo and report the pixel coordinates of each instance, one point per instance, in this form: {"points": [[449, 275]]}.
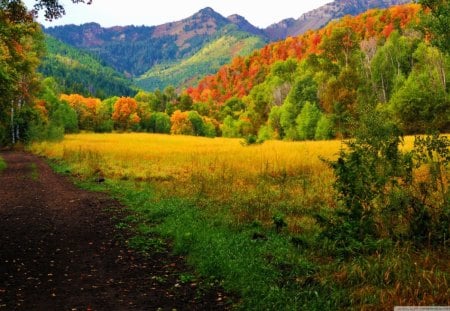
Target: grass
{"points": [[219, 204], [34, 174], [2, 164]]}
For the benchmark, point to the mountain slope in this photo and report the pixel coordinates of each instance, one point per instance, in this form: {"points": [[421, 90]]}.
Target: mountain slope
{"points": [[134, 50], [208, 60], [237, 78], [79, 72], [319, 17]]}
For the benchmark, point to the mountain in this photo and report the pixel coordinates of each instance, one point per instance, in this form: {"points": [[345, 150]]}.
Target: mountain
{"points": [[242, 74], [181, 52], [133, 50], [208, 60], [80, 72], [319, 17]]}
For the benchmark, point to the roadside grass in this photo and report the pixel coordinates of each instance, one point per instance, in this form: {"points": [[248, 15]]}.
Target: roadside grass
{"points": [[2, 164], [244, 217], [34, 173]]}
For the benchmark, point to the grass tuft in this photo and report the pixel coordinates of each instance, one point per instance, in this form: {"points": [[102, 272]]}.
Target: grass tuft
{"points": [[2, 164]]}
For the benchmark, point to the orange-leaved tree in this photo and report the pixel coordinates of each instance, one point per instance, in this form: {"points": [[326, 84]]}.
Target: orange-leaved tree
{"points": [[87, 109], [181, 124], [125, 113]]}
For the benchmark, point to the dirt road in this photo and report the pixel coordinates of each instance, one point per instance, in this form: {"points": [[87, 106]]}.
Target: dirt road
{"points": [[60, 250]]}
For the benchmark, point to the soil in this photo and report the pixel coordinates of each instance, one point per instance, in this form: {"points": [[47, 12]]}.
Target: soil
{"points": [[60, 250]]}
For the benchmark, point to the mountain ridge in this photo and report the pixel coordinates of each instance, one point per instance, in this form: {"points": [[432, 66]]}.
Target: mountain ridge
{"points": [[320, 16], [134, 51]]}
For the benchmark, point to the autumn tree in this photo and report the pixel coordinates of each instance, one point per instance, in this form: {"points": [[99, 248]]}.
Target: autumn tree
{"points": [[88, 110], [20, 50], [181, 124], [437, 22], [125, 113]]}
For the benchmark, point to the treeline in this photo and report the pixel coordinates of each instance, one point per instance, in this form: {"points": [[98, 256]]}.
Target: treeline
{"points": [[158, 112]]}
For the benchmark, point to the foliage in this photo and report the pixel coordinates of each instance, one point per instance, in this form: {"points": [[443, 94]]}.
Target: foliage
{"points": [[159, 123], [207, 60], [324, 129], [125, 113], [20, 49], [381, 196], [307, 121], [181, 123], [437, 23], [352, 62], [81, 72], [52, 8], [422, 103], [2, 164]]}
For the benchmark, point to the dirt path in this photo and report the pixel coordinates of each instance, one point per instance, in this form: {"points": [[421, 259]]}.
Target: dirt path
{"points": [[59, 250]]}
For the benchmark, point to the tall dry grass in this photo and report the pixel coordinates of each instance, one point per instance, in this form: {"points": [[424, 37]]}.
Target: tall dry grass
{"points": [[253, 181]]}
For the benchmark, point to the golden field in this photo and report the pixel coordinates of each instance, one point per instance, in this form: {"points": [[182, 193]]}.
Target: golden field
{"points": [[253, 182]]}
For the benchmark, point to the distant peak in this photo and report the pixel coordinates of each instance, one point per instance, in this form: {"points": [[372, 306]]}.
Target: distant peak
{"points": [[207, 10], [236, 18]]}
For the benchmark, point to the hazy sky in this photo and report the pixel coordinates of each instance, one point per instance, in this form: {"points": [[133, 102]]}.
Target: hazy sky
{"points": [[108, 13]]}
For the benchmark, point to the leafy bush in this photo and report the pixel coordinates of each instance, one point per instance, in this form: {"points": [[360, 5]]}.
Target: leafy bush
{"points": [[160, 123], [379, 196]]}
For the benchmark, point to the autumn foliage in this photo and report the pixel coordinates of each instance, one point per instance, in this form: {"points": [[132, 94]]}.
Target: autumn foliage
{"points": [[87, 109], [125, 113], [238, 77]]}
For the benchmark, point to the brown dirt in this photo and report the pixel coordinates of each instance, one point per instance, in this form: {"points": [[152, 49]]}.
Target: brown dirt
{"points": [[60, 250]]}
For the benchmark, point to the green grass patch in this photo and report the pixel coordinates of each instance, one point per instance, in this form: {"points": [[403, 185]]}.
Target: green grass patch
{"points": [[34, 173], [2, 164], [258, 264]]}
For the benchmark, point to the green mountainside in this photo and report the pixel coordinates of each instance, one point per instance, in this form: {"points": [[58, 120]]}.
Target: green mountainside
{"points": [[208, 60], [133, 50], [77, 71]]}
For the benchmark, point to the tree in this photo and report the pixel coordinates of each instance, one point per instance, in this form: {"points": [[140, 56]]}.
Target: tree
{"points": [[181, 125], [324, 128], [198, 125], [21, 48], [125, 113], [159, 123], [52, 8], [307, 121], [340, 45], [422, 103], [185, 102], [437, 23]]}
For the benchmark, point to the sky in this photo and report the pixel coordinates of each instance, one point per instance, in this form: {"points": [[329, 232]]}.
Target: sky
{"points": [[109, 13]]}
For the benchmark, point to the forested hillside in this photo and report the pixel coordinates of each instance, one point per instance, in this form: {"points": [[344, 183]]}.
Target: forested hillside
{"points": [[80, 72], [169, 54], [323, 79], [321, 16], [133, 50], [188, 71]]}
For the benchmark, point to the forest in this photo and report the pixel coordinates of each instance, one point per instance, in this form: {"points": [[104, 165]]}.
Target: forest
{"points": [[314, 86]]}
